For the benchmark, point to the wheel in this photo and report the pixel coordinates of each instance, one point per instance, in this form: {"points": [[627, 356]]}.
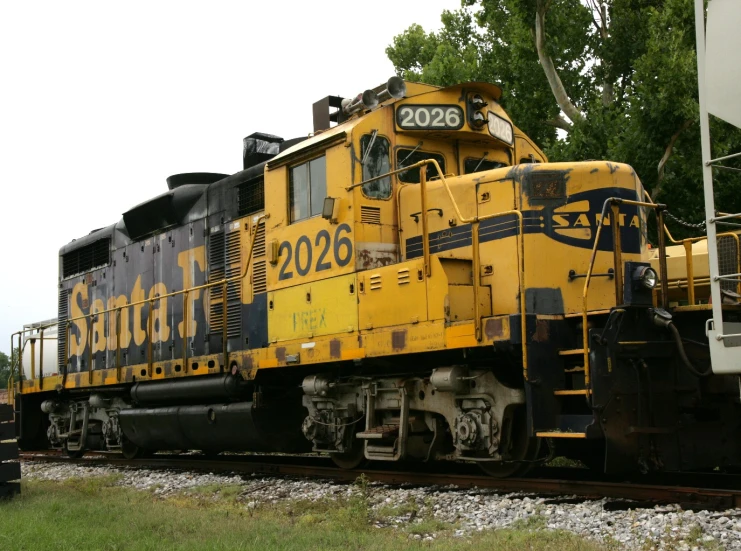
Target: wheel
{"points": [[353, 459], [130, 450], [517, 447], [73, 454]]}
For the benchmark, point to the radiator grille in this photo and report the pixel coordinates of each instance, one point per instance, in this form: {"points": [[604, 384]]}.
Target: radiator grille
{"points": [[62, 313], [259, 277], [250, 197], [728, 260], [370, 215], [84, 259]]}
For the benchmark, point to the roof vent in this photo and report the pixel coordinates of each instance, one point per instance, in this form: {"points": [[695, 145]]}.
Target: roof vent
{"points": [[259, 147]]}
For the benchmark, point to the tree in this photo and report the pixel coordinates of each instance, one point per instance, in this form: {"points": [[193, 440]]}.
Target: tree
{"points": [[617, 78], [4, 370]]}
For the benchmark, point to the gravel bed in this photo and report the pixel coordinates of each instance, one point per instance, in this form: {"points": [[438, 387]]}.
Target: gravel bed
{"points": [[464, 511]]}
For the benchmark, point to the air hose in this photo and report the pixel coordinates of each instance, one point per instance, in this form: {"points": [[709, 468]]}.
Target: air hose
{"points": [[662, 318], [683, 355]]}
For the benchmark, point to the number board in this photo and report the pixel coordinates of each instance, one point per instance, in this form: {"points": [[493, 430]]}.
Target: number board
{"points": [[500, 128], [319, 254], [429, 117]]}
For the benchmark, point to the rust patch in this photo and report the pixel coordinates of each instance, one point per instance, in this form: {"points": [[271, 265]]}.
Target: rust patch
{"points": [[494, 328], [335, 346], [542, 331], [399, 339], [368, 258], [247, 363], [280, 354]]}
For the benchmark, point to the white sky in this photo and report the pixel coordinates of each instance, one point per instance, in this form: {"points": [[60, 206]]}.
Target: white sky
{"points": [[99, 103]]}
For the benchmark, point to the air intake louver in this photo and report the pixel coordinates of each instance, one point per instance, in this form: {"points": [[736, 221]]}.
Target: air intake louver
{"points": [[250, 197], [259, 277], [84, 259], [370, 215], [62, 313]]}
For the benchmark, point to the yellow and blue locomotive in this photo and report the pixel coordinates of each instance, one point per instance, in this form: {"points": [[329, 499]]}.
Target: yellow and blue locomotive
{"points": [[413, 282]]}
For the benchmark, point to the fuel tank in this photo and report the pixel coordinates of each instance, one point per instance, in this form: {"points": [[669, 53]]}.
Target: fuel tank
{"points": [[237, 426]]}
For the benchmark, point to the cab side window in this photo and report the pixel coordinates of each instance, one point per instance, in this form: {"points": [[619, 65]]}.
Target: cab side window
{"points": [[376, 159], [406, 157], [308, 188]]}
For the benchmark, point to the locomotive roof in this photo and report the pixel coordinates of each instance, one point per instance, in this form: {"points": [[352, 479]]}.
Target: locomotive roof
{"points": [[136, 223]]}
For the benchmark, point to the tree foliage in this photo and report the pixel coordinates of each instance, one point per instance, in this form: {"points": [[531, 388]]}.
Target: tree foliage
{"points": [[618, 77], [4, 370]]}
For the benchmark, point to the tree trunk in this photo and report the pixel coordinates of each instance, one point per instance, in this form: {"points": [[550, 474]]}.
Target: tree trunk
{"points": [[559, 92], [667, 154]]}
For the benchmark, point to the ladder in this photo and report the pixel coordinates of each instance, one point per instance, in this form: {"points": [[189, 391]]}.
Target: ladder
{"points": [[718, 79]]}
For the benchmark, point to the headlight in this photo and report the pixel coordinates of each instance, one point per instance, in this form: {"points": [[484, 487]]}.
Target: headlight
{"points": [[646, 276]]}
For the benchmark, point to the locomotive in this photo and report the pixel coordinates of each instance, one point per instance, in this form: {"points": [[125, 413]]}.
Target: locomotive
{"points": [[413, 281]]}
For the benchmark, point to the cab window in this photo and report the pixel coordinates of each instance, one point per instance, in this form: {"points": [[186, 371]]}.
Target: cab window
{"points": [[406, 157], [376, 159], [308, 188], [479, 165]]}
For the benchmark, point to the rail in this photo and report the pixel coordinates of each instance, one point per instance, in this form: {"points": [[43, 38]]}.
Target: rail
{"points": [[699, 490], [476, 253], [614, 203], [150, 322]]}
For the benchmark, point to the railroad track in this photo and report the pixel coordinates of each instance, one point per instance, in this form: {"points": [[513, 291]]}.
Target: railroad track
{"points": [[696, 491]]}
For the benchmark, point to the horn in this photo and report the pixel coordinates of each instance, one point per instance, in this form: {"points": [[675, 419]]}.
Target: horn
{"points": [[395, 88], [366, 100]]}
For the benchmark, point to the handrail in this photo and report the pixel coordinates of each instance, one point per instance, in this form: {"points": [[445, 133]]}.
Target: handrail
{"points": [[117, 309], [474, 221], [18, 365], [689, 261], [615, 203]]}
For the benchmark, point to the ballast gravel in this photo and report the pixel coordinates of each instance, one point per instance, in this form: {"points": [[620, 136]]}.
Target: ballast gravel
{"points": [[458, 511]]}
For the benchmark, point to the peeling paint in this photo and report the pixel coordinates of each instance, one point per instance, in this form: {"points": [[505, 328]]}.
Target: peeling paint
{"points": [[375, 255]]}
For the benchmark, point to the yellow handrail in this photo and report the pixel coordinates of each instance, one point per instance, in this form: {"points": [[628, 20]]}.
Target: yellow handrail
{"points": [[615, 203], [689, 261]]}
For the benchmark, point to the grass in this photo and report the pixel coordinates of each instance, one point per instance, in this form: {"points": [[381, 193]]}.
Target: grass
{"points": [[94, 514]]}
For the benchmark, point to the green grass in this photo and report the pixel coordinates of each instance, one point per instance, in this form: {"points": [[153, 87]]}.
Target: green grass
{"points": [[94, 514]]}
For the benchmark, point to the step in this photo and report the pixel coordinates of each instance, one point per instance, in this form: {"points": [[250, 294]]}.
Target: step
{"points": [[557, 434], [572, 352], [579, 392], [379, 432], [574, 370]]}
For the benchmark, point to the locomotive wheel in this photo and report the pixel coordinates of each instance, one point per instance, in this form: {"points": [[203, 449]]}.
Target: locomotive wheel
{"points": [[74, 454], [130, 450], [353, 459], [520, 448]]}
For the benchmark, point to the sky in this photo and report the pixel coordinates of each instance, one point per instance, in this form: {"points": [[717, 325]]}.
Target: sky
{"points": [[100, 102]]}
